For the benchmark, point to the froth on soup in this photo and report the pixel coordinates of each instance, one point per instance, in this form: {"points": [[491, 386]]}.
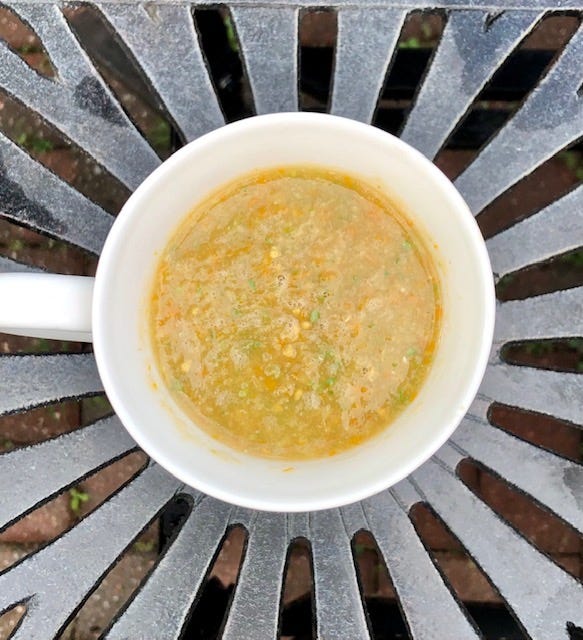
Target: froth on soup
{"points": [[295, 313]]}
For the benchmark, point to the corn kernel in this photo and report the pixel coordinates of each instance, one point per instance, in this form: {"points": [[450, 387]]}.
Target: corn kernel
{"points": [[298, 394], [306, 324], [289, 351], [274, 253], [185, 366]]}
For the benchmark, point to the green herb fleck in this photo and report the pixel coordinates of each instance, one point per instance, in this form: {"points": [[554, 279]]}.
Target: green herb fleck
{"points": [[330, 381], [411, 351], [314, 316], [144, 547], [252, 284], [76, 499]]}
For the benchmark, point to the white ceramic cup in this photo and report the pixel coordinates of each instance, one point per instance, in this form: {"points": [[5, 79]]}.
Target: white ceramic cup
{"points": [[110, 310]]}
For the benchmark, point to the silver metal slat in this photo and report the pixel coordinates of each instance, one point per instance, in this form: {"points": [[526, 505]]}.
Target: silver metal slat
{"points": [[161, 608], [470, 51], [553, 315], [541, 594], [30, 381], [550, 392], [409, 4], [44, 469], [339, 609], [553, 230], [7, 265], [366, 43], [161, 38], [552, 480], [353, 518], [35, 196], [53, 590], [551, 118], [78, 102], [298, 525], [254, 612], [415, 578], [413, 4], [268, 38]]}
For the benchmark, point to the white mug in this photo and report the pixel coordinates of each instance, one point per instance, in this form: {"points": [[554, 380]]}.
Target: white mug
{"points": [[110, 310]]}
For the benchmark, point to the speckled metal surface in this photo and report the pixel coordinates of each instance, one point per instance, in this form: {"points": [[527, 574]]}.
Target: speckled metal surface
{"points": [[162, 38]]}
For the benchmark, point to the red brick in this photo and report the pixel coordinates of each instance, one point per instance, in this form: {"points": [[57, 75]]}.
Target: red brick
{"points": [[452, 163], [373, 574], [367, 563], [298, 578], [424, 27], [385, 587], [318, 29], [432, 531], [43, 524], [572, 564], [15, 33], [541, 528], [110, 596], [60, 161], [39, 424], [39, 61], [540, 430], [552, 33], [466, 579], [9, 620], [33, 248], [228, 562], [543, 186], [105, 482], [469, 474]]}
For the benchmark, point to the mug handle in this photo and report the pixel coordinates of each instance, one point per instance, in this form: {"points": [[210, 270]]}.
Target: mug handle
{"points": [[46, 305]]}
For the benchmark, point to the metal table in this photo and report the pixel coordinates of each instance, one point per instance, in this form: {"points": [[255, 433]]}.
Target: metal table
{"points": [[478, 38]]}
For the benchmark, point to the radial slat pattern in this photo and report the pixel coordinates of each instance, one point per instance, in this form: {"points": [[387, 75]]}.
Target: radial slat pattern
{"points": [[78, 103], [553, 315], [415, 578], [541, 594], [30, 381], [173, 59], [32, 195], [550, 479], [366, 42], [41, 471], [163, 605], [255, 608], [339, 611], [162, 38], [535, 133], [548, 392], [556, 229], [269, 43], [473, 45], [39, 577]]}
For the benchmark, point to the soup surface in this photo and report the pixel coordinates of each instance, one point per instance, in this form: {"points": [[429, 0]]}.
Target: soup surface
{"points": [[294, 313]]}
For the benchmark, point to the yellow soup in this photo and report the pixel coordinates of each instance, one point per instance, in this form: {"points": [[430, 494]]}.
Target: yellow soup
{"points": [[295, 313]]}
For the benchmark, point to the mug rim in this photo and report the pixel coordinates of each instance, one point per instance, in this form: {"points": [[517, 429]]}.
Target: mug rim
{"points": [[126, 220]]}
